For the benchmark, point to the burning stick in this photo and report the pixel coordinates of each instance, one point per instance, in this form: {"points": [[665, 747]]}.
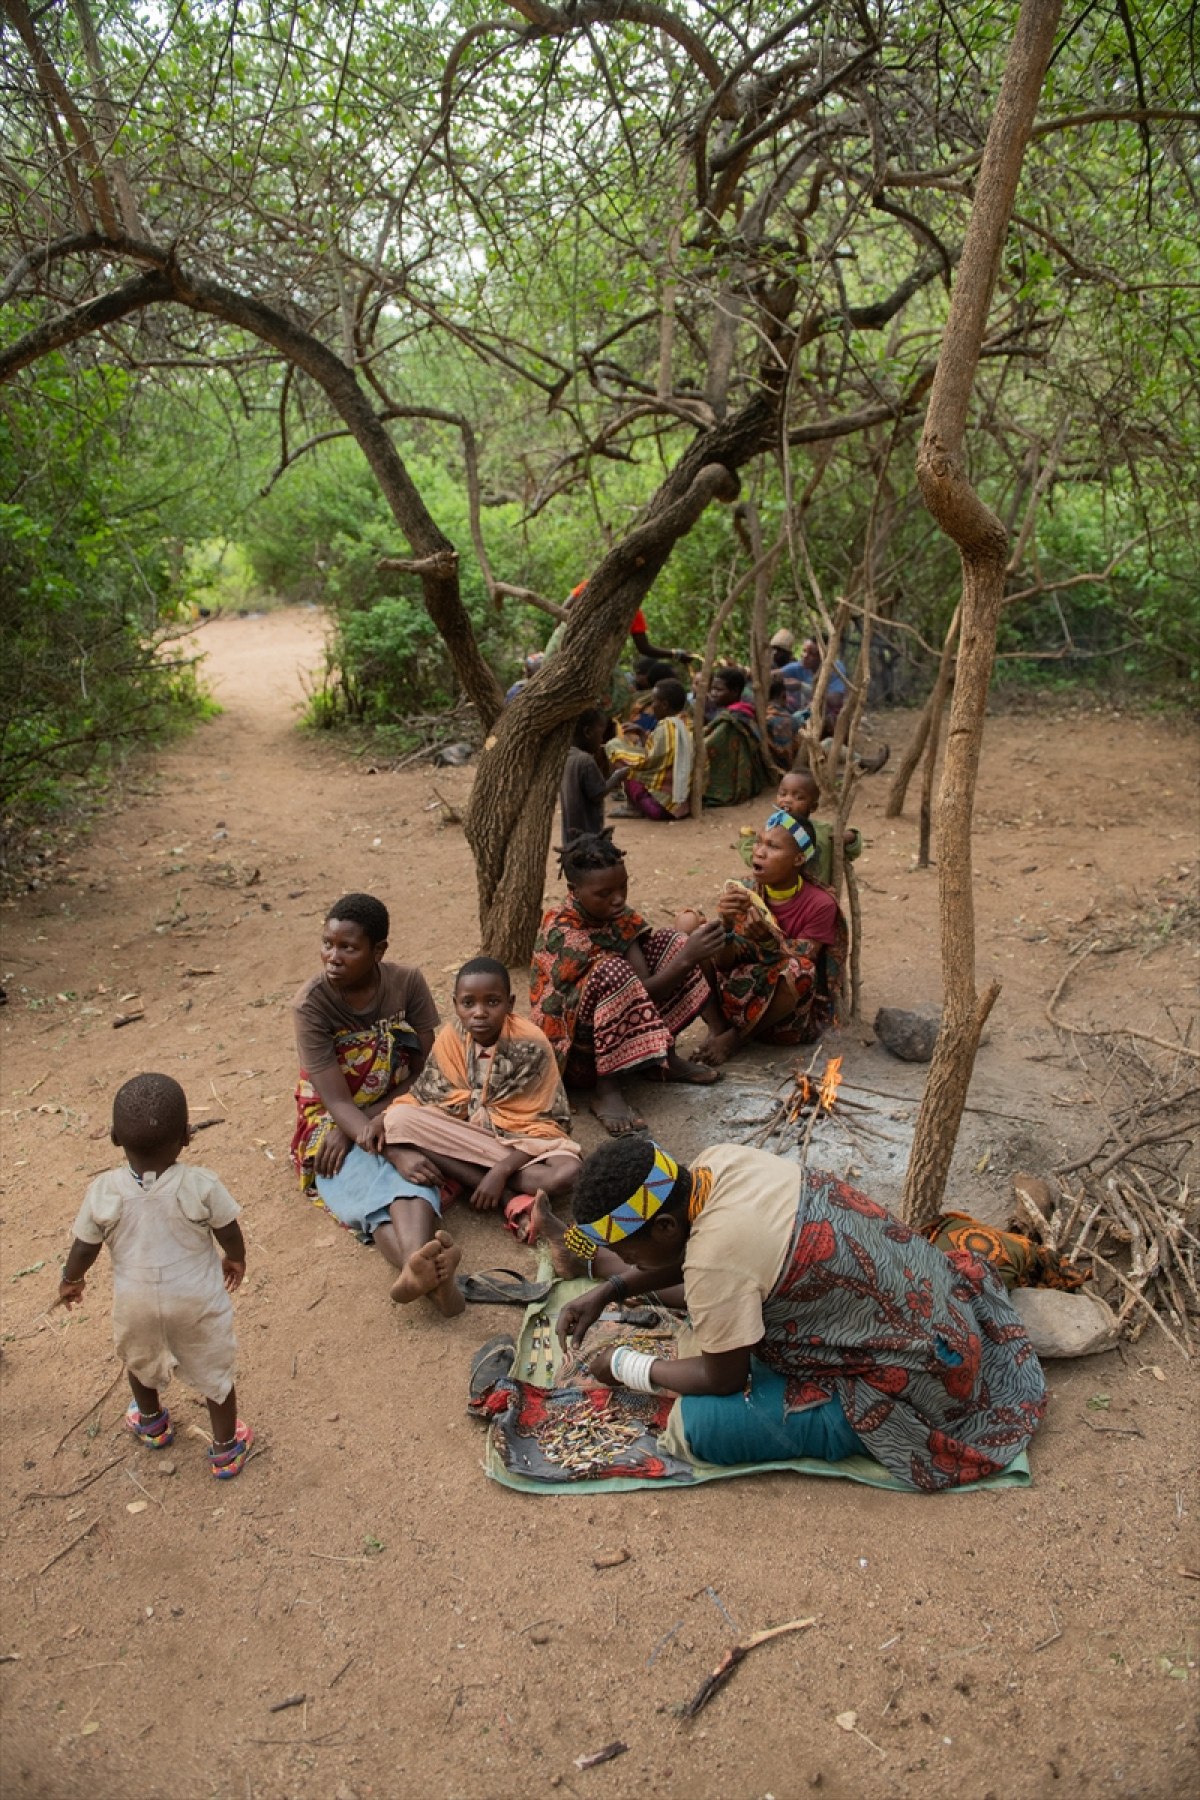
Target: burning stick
{"points": [[729, 1662], [830, 1082]]}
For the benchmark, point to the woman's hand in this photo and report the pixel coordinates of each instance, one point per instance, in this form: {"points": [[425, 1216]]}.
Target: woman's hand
{"points": [[414, 1165], [600, 1365], [704, 942], [70, 1293], [577, 1317], [489, 1191], [233, 1273], [731, 907], [372, 1134], [331, 1152]]}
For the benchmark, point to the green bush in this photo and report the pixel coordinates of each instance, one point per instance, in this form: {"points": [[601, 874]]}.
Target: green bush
{"points": [[88, 590]]}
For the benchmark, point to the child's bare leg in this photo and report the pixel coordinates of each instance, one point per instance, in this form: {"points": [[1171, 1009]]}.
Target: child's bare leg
{"points": [[554, 1177], [465, 1173], [148, 1402], [722, 1038], [222, 1416], [425, 1256]]}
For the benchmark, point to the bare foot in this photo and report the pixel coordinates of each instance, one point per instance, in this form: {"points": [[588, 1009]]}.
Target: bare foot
{"points": [[609, 1105], [546, 1227], [446, 1296], [430, 1270], [617, 1118], [700, 1074], [717, 1048]]}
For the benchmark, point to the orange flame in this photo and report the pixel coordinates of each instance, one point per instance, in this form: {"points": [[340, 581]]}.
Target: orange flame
{"points": [[830, 1082]]}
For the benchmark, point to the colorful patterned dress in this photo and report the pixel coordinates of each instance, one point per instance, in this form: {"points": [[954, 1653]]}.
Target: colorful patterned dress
{"points": [[931, 1364], [375, 1061], [774, 944], [737, 764], [585, 996]]}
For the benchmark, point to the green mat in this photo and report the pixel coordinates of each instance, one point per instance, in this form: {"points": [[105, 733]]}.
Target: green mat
{"points": [[538, 1360]]}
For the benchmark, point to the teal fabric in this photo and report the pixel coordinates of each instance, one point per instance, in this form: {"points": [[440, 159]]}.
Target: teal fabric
{"points": [[855, 1466], [756, 1427]]}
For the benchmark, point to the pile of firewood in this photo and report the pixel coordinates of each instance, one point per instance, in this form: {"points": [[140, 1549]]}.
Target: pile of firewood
{"points": [[1129, 1210]]}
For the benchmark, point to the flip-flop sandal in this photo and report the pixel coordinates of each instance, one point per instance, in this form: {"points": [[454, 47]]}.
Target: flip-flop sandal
{"points": [[491, 1364], [516, 1215], [502, 1287]]}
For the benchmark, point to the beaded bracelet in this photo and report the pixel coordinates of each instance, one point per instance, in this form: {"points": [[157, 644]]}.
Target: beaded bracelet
{"points": [[619, 1286]]}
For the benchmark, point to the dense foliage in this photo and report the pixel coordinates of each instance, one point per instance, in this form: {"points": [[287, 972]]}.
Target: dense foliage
{"points": [[89, 586], [552, 249]]}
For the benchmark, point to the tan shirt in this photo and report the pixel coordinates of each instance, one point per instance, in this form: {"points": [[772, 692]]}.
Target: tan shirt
{"points": [[320, 1014], [159, 1224], [738, 1244]]}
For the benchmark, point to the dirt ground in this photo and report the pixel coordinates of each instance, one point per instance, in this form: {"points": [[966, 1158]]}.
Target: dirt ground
{"points": [[453, 1638]]}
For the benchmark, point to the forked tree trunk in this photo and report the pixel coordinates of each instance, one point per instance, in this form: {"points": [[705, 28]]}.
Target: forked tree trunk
{"points": [[937, 705], [509, 819], [982, 544], [907, 766]]}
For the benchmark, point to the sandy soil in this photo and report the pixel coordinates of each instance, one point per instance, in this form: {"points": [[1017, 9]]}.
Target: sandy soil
{"points": [[452, 1638]]}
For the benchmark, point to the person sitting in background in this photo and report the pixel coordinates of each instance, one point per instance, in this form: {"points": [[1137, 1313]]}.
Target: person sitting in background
{"points": [[646, 675], [584, 782], [363, 1030], [530, 665], [779, 971], [659, 775], [737, 765], [781, 727], [797, 794]]}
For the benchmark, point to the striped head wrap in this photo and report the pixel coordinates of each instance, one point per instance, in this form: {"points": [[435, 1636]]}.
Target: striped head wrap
{"points": [[630, 1215], [799, 831]]}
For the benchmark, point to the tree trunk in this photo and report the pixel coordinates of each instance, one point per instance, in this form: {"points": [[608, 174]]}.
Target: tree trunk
{"points": [[907, 766], [937, 703], [982, 544], [512, 803]]}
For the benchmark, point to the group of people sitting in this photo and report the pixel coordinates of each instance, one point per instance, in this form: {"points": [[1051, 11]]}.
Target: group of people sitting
{"points": [[805, 1298], [479, 1103], [649, 751]]}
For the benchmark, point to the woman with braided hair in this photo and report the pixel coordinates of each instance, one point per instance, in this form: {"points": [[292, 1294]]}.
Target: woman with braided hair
{"points": [[873, 1340], [611, 993]]}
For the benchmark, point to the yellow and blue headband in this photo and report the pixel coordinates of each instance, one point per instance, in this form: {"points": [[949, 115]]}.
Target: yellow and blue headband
{"points": [[631, 1214], [797, 830]]}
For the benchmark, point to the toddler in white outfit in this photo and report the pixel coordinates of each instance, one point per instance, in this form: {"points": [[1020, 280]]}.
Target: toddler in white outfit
{"points": [[171, 1288]]}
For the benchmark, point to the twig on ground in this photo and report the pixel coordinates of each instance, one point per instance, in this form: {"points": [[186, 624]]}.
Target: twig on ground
{"points": [[77, 1539], [70, 1493], [732, 1657], [99, 1401]]}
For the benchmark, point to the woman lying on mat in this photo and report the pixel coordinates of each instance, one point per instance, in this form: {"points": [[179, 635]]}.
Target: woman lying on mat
{"points": [[488, 1109], [888, 1347]]}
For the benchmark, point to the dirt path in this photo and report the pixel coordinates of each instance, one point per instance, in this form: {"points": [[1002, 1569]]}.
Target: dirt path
{"points": [[454, 1639]]}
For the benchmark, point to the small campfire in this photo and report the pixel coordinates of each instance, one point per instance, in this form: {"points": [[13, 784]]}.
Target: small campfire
{"points": [[799, 1104]]}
